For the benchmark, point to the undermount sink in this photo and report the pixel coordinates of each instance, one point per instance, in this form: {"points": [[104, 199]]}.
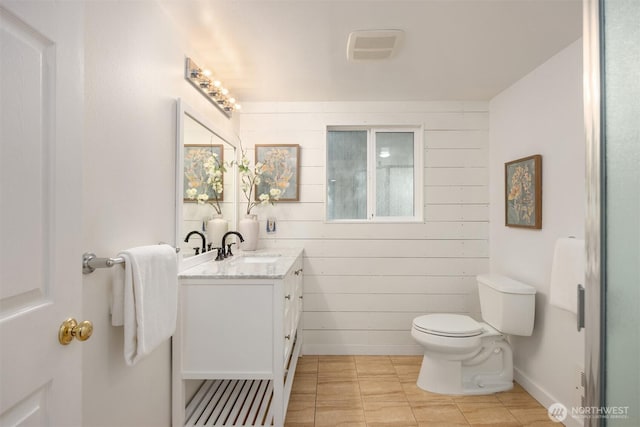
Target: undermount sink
{"points": [[256, 259]]}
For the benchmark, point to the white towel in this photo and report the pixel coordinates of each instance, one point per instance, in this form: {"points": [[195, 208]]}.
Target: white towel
{"points": [[145, 298], [567, 272]]}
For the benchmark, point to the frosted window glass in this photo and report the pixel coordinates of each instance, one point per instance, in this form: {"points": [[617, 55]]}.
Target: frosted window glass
{"points": [[394, 174], [622, 146], [346, 175]]}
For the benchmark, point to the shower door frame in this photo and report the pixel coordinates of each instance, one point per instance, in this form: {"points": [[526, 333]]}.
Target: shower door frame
{"points": [[595, 213]]}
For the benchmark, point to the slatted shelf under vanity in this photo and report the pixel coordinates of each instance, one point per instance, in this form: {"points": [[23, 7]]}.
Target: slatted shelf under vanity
{"points": [[238, 402], [231, 403]]}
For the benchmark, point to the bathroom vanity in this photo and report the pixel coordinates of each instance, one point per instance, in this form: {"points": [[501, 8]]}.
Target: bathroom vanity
{"points": [[238, 339]]}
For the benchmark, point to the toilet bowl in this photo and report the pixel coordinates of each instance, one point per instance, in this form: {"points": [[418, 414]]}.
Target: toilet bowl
{"points": [[471, 362], [464, 356]]}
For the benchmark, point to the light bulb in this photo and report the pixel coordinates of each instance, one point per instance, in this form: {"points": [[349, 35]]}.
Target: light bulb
{"points": [[203, 79]]}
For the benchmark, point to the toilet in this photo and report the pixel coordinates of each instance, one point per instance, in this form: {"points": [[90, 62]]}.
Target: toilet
{"points": [[466, 357]]}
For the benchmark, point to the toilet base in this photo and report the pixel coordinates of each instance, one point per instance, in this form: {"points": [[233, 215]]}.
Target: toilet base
{"points": [[491, 371]]}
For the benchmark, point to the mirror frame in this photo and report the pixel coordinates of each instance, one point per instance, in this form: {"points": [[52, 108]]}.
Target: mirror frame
{"points": [[183, 110]]}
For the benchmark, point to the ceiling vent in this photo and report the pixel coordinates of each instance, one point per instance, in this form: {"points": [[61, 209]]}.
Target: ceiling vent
{"points": [[372, 45]]}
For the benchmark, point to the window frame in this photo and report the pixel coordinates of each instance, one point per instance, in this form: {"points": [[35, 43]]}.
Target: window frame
{"points": [[418, 174]]}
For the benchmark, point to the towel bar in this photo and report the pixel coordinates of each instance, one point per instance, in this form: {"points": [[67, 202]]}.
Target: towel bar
{"points": [[90, 262]]}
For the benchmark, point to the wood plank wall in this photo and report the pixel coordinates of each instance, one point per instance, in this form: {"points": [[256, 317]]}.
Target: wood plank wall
{"points": [[364, 283]]}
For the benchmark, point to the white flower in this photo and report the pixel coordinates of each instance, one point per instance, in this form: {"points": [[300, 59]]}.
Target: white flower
{"points": [[203, 197], [275, 192], [265, 199], [250, 180], [191, 193]]}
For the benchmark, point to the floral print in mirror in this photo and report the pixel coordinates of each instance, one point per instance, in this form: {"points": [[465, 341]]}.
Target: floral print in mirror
{"points": [[204, 169]]}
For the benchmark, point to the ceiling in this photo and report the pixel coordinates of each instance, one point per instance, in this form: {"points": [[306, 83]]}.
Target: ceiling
{"points": [[295, 50]]}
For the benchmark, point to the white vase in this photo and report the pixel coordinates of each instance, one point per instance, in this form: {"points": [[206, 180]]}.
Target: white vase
{"points": [[249, 228], [216, 227]]}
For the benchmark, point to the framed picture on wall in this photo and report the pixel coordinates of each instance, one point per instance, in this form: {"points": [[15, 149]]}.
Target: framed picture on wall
{"points": [[523, 192], [195, 173], [281, 170]]}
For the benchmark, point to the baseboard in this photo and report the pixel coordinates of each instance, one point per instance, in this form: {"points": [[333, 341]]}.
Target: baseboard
{"points": [[544, 397], [366, 350]]}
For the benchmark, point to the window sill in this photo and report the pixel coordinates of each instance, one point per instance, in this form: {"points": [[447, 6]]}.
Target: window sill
{"points": [[376, 221]]}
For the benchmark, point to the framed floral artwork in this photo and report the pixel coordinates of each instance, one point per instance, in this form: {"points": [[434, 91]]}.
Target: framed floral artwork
{"points": [[523, 192], [195, 172], [280, 171]]}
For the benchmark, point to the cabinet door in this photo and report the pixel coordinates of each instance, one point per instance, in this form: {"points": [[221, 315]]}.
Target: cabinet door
{"points": [[227, 329]]}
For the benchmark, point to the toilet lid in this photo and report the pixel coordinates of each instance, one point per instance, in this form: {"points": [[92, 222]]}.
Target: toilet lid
{"points": [[450, 325]]}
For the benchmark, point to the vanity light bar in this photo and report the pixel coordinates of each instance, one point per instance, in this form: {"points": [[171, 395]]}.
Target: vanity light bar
{"points": [[210, 88]]}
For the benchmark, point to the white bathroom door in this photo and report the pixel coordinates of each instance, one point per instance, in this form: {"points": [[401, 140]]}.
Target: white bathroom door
{"points": [[41, 129]]}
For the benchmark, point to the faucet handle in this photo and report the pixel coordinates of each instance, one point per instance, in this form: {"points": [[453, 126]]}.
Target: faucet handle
{"points": [[197, 251], [220, 256], [229, 253]]}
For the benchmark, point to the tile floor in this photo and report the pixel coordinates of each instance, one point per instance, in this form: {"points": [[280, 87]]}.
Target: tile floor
{"points": [[376, 391]]}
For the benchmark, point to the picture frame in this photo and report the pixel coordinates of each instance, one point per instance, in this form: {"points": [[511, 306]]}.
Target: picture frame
{"points": [[195, 175], [281, 170], [523, 192]]}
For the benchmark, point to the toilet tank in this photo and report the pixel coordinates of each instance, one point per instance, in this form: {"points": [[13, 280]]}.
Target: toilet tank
{"points": [[506, 304]]}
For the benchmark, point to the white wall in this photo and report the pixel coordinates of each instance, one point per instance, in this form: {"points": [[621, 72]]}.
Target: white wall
{"points": [[134, 72], [364, 283], [542, 114]]}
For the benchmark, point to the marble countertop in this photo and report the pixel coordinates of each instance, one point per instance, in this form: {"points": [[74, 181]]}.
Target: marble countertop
{"points": [[260, 264]]}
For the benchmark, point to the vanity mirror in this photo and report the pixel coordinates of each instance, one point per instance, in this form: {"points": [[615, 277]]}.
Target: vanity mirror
{"points": [[203, 172]]}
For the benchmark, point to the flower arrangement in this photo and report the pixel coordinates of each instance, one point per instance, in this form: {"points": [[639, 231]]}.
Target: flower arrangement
{"points": [[250, 178], [204, 177]]}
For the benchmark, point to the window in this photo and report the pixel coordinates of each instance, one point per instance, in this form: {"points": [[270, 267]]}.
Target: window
{"points": [[374, 174]]}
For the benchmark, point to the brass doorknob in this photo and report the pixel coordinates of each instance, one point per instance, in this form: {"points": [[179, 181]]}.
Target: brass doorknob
{"points": [[71, 329]]}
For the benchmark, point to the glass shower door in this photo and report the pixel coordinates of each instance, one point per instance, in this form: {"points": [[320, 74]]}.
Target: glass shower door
{"points": [[620, 53]]}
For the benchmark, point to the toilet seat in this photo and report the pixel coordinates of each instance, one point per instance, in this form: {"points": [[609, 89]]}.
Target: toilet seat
{"points": [[448, 325]]}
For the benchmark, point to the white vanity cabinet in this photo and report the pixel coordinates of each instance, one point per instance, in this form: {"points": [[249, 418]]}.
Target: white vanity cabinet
{"points": [[238, 339]]}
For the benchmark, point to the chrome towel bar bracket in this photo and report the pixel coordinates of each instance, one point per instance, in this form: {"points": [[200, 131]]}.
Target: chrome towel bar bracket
{"points": [[90, 262]]}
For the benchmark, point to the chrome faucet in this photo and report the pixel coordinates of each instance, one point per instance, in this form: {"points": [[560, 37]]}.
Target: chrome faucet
{"points": [[227, 252], [204, 243]]}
